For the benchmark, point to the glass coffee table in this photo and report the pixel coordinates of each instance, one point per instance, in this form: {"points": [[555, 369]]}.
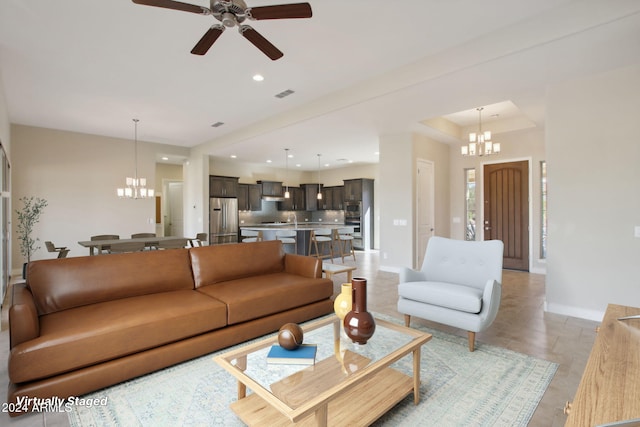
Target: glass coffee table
{"points": [[348, 384]]}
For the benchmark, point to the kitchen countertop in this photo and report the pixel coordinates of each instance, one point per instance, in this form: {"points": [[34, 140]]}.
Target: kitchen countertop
{"points": [[291, 226]]}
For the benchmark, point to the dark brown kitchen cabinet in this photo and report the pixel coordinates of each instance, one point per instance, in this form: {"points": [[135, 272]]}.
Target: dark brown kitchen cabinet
{"points": [[249, 197], [311, 196], [332, 198], [295, 202], [223, 186], [353, 190]]}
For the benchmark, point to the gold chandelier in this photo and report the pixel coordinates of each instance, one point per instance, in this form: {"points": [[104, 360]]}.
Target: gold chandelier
{"points": [[136, 187], [480, 143]]}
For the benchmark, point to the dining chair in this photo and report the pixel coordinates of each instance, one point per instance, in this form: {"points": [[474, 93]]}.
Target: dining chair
{"points": [[198, 240], [149, 245], [61, 250]]}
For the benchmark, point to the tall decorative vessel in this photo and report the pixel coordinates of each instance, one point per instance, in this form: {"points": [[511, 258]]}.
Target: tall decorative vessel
{"points": [[342, 303], [359, 324]]}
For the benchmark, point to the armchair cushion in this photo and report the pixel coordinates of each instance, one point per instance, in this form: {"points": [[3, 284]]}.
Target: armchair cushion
{"points": [[448, 295]]}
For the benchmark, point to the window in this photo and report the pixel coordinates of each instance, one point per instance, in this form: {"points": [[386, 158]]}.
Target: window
{"points": [[470, 204], [543, 208]]}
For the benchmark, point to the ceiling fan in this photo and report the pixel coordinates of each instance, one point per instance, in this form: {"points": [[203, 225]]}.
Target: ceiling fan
{"points": [[234, 12]]}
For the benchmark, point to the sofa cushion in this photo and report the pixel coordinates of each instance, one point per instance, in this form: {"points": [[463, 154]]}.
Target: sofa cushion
{"points": [[60, 284], [88, 335], [220, 263], [455, 297], [254, 297]]}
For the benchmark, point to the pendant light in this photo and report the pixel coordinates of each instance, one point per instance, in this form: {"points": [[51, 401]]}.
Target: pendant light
{"points": [[319, 190], [480, 143], [287, 195], [136, 188]]}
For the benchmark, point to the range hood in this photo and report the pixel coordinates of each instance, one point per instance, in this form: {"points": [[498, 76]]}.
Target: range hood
{"points": [[272, 191]]}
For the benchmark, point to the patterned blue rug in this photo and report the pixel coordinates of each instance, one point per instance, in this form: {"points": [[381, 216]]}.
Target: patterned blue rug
{"points": [[489, 387]]}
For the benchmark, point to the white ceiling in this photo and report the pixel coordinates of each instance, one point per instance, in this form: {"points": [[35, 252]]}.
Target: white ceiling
{"points": [[359, 68]]}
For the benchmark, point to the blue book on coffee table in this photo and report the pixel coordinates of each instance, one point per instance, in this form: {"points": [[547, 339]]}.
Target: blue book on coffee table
{"points": [[303, 355]]}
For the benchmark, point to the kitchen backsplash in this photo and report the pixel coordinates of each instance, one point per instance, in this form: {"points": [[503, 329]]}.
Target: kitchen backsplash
{"points": [[270, 213]]}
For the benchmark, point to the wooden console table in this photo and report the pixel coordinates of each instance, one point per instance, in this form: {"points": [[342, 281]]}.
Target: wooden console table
{"points": [[610, 387]]}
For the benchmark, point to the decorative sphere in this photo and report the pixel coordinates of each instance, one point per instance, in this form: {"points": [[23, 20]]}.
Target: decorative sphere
{"points": [[290, 336]]}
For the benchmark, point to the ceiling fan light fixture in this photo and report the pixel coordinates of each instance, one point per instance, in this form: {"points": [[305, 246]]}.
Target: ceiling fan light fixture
{"points": [[228, 20]]}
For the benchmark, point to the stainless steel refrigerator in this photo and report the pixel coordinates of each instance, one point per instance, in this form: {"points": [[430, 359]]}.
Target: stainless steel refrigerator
{"points": [[223, 220]]}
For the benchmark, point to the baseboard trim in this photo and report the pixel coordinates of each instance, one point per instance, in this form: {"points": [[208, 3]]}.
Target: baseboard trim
{"points": [[390, 269], [572, 311]]}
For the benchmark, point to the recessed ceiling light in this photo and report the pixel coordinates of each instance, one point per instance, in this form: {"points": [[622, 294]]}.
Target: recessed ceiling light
{"points": [[298, 165], [268, 161], [233, 156], [165, 158], [258, 77], [377, 153]]}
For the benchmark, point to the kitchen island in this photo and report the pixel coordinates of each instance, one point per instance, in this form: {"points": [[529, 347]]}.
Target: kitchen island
{"points": [[303, 233]]}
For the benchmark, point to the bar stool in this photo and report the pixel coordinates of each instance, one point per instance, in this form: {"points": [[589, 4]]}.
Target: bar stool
{"points": [[288, 237], [250, 236], [344, 238], [322, 236]]}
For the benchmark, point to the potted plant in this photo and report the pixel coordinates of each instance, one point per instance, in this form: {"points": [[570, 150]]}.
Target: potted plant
{"points": [[29, 216]]}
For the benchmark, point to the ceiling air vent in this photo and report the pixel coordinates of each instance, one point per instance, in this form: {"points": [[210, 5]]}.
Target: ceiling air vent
{"points": [[217, 124], [284, 93]]}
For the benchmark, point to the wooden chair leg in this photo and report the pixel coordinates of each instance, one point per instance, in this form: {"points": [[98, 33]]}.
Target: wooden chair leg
{"points": [[407, 320], [472, 340]]}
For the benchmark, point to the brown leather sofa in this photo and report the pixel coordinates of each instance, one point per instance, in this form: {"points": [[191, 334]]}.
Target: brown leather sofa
{"points": [[81, 324]]}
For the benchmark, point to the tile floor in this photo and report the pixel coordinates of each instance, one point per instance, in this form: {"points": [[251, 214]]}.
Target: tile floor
{"points": [[521, 325]]}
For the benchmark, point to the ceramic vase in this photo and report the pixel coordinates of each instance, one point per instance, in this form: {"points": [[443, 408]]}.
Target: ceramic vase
{"points": [[359, 324], [342, 303]]}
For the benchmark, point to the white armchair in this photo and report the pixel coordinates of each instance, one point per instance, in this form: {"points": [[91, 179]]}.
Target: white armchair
{"points": [[460, 285]]}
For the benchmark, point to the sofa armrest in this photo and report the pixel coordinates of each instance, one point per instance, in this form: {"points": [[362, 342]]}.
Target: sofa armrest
{"points": [[301, 265], [411, 275], [24, 324]]}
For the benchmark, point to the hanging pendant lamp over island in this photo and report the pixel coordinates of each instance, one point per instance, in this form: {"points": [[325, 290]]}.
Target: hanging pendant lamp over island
{"points": [[136, 187], [319, 196]]}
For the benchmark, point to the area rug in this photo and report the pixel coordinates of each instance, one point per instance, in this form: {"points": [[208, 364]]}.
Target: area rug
{"points": [[490, 387]]}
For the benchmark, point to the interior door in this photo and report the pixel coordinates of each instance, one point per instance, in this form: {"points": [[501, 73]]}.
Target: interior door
{"points": [[424, 208], [506, 210], [176, 222]]}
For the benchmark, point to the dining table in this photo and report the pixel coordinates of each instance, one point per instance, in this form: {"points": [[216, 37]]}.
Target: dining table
{"points": [[96, 246]]}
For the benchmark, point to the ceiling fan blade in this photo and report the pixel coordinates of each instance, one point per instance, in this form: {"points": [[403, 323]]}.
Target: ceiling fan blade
{"points": [[175, 5], [260, 42], [281, 11], [208, 40]]}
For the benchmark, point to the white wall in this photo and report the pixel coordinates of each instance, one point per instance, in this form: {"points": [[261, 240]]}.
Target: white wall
{"points": [[396, 199], [78, 175], [593, 150]]}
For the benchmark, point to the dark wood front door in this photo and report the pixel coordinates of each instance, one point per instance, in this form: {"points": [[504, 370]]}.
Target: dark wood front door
{"points": [[506, 210]]}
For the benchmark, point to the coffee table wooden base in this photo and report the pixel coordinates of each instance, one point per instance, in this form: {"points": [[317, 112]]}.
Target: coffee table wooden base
{"points": [[360, 405]]}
